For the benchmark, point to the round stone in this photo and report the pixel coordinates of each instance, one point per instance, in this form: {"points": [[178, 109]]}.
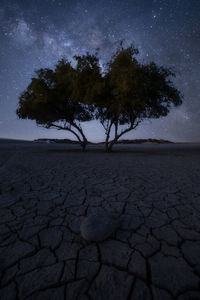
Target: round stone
{"points": [[99, 226]]}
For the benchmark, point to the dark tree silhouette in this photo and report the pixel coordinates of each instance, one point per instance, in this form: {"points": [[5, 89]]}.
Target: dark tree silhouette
{"points": [[125, 93], [133, 92], [89, 81], [49, 100]]}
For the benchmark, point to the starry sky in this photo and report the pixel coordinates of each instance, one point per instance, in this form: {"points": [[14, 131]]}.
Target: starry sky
{"points": [[36, 34]]}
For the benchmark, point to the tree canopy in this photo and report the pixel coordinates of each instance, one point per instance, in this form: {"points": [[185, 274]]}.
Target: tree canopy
{"points": [[125, 93], [48, 100], [134, 92]]}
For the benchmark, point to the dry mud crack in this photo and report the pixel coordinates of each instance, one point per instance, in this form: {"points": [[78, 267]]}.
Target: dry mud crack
{"points": [[46, 191]]}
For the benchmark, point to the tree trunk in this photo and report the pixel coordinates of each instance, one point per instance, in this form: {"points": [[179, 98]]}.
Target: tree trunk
{"points": [[83, 145], [106, 146], [83, 142], [109, 145]]}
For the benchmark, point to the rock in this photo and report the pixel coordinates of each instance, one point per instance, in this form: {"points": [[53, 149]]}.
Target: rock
{"points": [[99, 226]]}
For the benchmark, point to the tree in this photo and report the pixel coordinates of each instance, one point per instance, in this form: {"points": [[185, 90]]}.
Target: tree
{"points": [[126, 93], [132, 92], [49, 100]]}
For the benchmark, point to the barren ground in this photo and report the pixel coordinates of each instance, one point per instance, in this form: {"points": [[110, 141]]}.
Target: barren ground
{"points": [[47, 190]]}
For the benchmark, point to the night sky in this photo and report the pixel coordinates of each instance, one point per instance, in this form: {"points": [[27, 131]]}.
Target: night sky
{"points": [[35, 34]]}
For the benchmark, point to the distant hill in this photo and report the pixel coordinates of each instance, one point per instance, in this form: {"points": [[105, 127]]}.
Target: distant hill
{"points": [[6, 141], [59, 141], [137, 141], [144, 141], [66, 141]]}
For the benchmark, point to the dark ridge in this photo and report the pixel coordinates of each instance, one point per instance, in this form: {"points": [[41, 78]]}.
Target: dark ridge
{"points": [[142, 141], [59, 141]]}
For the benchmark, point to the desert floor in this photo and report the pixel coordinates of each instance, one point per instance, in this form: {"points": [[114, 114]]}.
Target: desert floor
{"points": [[46, 190]]}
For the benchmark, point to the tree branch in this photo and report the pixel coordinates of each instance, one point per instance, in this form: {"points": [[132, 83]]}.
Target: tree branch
{"points": [[128, 129], [78, 127], [66, 128], [116, 129], [112, 142], [108, 132]]}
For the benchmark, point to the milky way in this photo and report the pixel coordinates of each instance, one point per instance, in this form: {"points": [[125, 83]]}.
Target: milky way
{"points": [[35, 34]]}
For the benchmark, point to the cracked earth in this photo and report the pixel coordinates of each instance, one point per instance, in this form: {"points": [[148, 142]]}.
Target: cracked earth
{"points": [[47, 190]]}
